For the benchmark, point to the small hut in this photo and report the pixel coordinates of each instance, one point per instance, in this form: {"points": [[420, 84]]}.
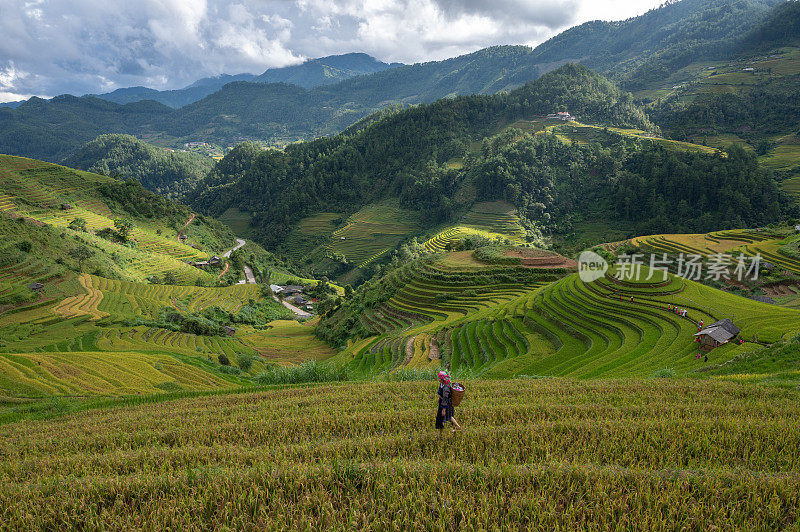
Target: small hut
{"points": [[718, 333], [36, 286], [229, 331], [292, 290]]}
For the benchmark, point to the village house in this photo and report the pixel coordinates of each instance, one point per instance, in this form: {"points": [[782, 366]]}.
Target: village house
{"points": [[276, 289], [229, 331], [291, 290], [563, 115], [717, 334], [214, 261]]}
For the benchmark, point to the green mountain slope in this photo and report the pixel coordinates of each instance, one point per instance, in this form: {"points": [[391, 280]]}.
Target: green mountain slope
{"points": [[169, 173], [89, 306], [649, 47], [433, 160], [52, 129]]}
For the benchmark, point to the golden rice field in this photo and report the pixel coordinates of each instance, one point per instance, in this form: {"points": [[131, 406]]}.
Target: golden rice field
{"points": [[99, 373], [550, 454], [287, 342]]}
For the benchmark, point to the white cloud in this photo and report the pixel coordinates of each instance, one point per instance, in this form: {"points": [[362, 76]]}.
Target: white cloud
{"points": [[78, 46]]}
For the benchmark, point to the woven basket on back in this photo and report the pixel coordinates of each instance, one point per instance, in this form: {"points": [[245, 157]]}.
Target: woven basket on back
{"points": [[458, 393]]}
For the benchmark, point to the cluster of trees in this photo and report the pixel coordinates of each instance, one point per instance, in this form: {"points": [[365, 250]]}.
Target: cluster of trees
{"points": [[139, 202], [170, 174], [766, 108], [673, 191], [653, 188]]}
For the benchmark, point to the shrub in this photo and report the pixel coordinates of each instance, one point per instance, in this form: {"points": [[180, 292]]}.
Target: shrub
{"points": [[245, 361], [223, 359], [78, 224], [307, 372], [229, 370], [25, 246]]}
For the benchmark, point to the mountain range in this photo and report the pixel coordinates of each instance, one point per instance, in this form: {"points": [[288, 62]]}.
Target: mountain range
{"points": [[309, 74], [314, 99]]}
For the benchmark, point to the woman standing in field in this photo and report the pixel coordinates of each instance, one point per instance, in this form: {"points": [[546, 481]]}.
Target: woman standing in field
{"points": [[446, 412]]}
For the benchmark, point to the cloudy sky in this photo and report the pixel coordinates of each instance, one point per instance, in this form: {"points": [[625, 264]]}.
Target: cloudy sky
{"points": [[50, 47]]}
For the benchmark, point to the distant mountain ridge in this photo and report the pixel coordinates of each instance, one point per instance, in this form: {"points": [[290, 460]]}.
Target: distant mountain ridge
{"points": [[309, 74], [325, 70]]}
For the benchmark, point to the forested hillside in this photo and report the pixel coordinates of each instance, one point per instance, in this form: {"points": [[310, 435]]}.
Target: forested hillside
{"points": [[171, 174], [52, 129], [651, 46], [550, 179]]}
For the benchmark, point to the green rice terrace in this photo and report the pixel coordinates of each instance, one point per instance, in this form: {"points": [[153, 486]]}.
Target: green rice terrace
{"points": [[580, 133], [539, 319], [491, 220], [779, 278]]}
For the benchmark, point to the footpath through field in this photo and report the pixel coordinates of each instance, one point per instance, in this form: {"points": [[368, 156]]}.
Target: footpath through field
{"points": [[189, 221]]}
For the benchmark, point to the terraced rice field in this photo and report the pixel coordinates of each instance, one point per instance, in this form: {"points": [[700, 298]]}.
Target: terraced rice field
{"points": [[16, 277], [123, 298], [151, 339], [38, 191], [598, 331], [575, 131], [412, 327], [99, 373], [139, 265], [287, 342], [318, 224], [84, 304], [492, 220], [534, 326], [550, 454], [792, 186], [731, 242], [144, 240], [372, 232], [76, 335]]}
